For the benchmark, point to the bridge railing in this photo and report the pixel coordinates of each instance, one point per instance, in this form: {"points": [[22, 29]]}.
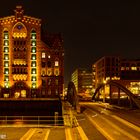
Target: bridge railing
{"points": [[37, 121]]}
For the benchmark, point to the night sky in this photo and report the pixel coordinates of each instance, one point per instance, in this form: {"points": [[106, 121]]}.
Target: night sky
{"points": [[91, 29]]}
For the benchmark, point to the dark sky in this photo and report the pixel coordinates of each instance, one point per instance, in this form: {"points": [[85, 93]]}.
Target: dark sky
{"points": [[91, 29]]}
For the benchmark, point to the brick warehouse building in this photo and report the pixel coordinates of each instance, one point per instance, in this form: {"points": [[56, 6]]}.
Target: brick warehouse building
{"points": [[31, 63], [31, 67]]}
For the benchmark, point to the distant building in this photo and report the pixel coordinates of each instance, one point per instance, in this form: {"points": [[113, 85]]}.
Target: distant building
{"points": [[106, 68], [126, 71], [31, 61], [82, 79]]}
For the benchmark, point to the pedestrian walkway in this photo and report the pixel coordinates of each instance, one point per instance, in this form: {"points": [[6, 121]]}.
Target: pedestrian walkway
{"points": [[74, 131], [71, 130]]}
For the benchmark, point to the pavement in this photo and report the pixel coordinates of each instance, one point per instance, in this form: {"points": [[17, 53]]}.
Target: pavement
{"points": [[73, 130], [70, 131]]}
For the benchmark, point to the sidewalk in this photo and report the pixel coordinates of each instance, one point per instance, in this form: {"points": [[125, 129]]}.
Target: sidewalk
{"points": [[72, 129]]}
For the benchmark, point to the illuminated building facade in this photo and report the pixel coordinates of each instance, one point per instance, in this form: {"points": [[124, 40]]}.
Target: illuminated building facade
{"points": [[125, 71], [106, 68], [29, 65], [82, 79]]}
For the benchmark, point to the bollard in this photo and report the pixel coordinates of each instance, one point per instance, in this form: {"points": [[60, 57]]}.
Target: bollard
{"points": [[55, 118]]}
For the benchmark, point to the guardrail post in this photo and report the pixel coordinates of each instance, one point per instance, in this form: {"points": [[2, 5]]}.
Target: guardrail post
{"points": [[55, 118], [38, 121], [6, 119]]}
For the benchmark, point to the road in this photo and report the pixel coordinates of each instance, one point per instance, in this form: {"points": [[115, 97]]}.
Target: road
{"points": [[98, 121], [109, 122]]}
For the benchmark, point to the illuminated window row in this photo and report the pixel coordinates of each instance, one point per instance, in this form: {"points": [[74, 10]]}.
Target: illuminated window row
{"points": [[49, 72], [6, 58], [49, 64], [33, 59]]}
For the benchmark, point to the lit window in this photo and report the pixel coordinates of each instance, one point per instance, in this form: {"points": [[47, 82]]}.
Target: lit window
{"points": [[133, 68], [6, 36], [6, 71], [33, 85], [6, 56], [33, 71], [33, 78], [6, 63], [6, 42], [33, 43], [49, 72], [17, 94], [43, 55], [6, 95], [49, 56], [56, 63], [56, 72], [122, 68], [33, 49], [33, 36], [33, 57], [34, 64], [6, 85], [6, 49], [6, 78], [23, 93]]}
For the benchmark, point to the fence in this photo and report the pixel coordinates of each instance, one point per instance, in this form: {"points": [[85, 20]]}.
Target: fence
{"points": [[37, 121]]}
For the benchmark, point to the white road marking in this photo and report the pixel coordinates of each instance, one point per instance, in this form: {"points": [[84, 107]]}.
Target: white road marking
{"points": [[28, 134]]}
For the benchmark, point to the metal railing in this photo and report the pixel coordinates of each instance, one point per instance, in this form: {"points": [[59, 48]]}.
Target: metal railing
{"points": [[37, 121]]}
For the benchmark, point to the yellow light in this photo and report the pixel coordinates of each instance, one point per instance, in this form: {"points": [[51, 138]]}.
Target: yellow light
{"points": [[17, 94], [6, 72], [6, 49], [33, 43], [6, 43], [6, 36], [33, 85], [6, 57], [56, 63], [23, 93], [7, 79], [6, 64], [133, 68], [6, 95], [33, 37], [6, 85]]}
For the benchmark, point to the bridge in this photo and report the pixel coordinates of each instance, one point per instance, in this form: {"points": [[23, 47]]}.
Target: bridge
{"points": [[132, 97], [73, 98]]}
